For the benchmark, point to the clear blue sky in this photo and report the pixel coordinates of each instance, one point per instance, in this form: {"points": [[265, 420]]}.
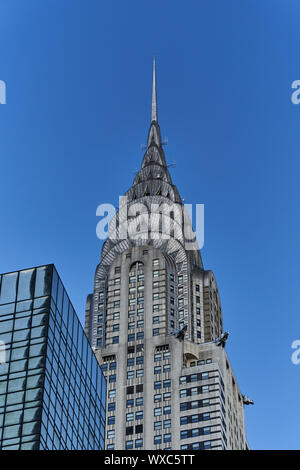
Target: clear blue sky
{"points": [[78, 75]]}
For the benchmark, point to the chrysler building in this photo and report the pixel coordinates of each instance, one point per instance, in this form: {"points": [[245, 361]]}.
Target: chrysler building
{"points": [[155, 322]]}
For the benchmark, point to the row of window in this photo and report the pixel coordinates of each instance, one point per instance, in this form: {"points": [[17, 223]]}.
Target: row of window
{"points": [[138, 415], [140, 313], [159, 438], [159, 384], [138, 444], [134, 278], [138, 336], [196, 445], [140, 266], [115, 316], [137, 264], [195, 432], [138, 402], [187, 392], [166, 410], [165, 356], [133, 302], [166, 424], [130, 429], [138, 348], [159, 369], [138, 373], [194, 418], [159, 397], [189, 405], [194, 377], [115, 329], [200, 363], [138, 360], [138, 389], [139, 324], [140, 289]]}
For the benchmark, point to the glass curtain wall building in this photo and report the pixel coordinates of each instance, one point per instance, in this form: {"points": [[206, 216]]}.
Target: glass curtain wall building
{"points": [[52, 390]]}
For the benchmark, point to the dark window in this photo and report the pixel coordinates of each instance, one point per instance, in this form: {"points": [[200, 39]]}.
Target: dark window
{"points": [[139, 428], [129, 430], [130, 390], [138, 388]]}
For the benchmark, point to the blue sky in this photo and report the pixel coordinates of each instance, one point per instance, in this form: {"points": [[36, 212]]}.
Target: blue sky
{"points": [[78, 76]]}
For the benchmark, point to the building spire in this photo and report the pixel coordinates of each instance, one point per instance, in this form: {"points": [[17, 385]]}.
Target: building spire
{"points": [[154, 131], [154, 98]]}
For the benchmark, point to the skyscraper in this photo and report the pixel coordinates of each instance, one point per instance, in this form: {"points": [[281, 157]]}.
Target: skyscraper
{"points": [[155, 320], [52, 390]]}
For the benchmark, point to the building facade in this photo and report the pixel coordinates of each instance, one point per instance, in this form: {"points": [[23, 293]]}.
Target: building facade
{"points": [[155, 321], [52, 390]]}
